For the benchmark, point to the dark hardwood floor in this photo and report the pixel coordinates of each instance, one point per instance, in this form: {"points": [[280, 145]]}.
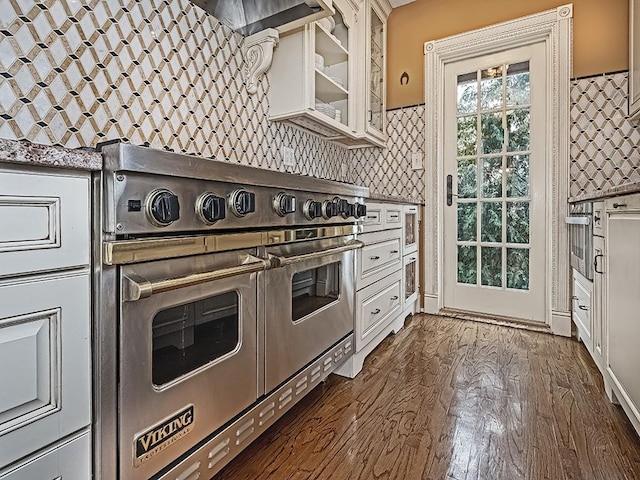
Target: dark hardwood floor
{"points": [[453, 399]]}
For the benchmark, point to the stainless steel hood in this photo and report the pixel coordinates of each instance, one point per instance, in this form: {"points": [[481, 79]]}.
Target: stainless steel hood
{"points": [[251, 16]]}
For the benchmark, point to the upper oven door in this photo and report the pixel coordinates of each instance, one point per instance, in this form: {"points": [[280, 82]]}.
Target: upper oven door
{"points": [[188, 354], [309, 304]]}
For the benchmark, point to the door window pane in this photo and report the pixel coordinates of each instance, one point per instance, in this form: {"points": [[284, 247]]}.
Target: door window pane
{"points": [[467, 222], [518, 268], [492, 133], [467, 264], [491, 266], [467, 135], [491, 88], [491, 222], [518, 84], [492, 177], [467, 178], [517, 222], [467, 93], [518, 176], [191, 335], [518, 126], [313, 289]]}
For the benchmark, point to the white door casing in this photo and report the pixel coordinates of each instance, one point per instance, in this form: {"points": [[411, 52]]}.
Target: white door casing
{"points": [[492, 186], [553, 27]]}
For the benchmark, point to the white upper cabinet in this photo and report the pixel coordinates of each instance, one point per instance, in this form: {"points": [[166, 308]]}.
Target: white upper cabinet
{"points": [[375, 71], [320, 77]]}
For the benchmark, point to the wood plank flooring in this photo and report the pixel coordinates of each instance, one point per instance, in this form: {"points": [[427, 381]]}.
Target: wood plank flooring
{"points": [[453, 399]]}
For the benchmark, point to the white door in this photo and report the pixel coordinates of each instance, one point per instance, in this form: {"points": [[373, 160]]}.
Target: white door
{"points": [[494, 163]]}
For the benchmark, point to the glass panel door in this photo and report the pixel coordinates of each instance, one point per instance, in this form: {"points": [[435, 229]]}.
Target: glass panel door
{"points": [[376, 72], [493, 150]]}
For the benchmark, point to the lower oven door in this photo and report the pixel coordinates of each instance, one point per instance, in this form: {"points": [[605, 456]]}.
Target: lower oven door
{"points": [[309, 303], [188, 354]]}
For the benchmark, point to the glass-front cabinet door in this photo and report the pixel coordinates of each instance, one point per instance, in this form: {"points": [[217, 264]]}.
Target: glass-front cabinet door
{"points": [[376, 42]]}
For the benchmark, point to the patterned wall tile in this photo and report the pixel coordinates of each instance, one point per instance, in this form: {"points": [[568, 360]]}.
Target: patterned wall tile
{"points": [[605, 145], [388, 171], [74, 73]]}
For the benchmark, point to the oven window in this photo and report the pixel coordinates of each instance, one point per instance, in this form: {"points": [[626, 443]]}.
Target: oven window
{"points": [[313, 289], [189, 336]]}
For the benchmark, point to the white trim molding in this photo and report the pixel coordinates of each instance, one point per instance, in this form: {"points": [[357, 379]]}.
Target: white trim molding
{"points": [[554, 28]]}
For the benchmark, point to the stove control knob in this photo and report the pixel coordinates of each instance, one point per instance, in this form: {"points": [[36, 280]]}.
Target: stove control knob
{"points": [[343, 206], [242, 202], [329, 209], [284, 204], [359, 210], [162, 207], [312, 209], [210, 208]]}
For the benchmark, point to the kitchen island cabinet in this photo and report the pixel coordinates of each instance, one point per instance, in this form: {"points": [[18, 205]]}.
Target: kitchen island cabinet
{"points": [[622, 321]]}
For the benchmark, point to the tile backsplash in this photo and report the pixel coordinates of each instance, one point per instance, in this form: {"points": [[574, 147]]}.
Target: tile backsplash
{"points": [[77, 72], [605, 145]]}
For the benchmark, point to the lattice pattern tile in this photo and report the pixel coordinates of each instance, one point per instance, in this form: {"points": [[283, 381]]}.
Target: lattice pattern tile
{"points": [[388, 171], [159, 71], [605, 145]]}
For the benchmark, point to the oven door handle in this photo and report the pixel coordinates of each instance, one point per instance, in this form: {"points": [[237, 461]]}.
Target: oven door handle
{"points": [[282, 261], [136, 287], [578, 220]]}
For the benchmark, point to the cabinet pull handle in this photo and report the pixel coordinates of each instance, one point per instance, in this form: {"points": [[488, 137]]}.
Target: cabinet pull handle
{"points": [[412, 259], [573, 297], [395, 297], [375, 258], [376, 311], [582, 307], [371, 217], [394, 251], [619, 205], [595, 263], [394, 216]]}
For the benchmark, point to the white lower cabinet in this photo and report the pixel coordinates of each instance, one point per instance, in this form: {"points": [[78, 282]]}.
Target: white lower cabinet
{"points": [[386, 282], [45, 324], [69, 461], [622, 325]]}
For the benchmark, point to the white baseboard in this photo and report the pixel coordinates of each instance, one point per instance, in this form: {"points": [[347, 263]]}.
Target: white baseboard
{"points": [[561, 323], [430, 302]]}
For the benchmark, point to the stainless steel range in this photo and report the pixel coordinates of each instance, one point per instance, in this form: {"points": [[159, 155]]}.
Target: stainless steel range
{"points": [[224, 294]]}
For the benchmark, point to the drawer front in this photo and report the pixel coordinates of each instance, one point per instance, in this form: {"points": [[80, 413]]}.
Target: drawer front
{"points": [[625, 203], [377, 260], [45, 222], [393, 216], [374, 220], [45, 337], [582, 306], [378, 305], [69, 461]]}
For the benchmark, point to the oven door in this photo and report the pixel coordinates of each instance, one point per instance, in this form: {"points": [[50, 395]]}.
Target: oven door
{"points": [[309, 303], [188, 354]]}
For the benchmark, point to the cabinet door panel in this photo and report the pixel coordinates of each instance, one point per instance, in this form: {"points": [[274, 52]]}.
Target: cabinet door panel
{"points": [[623, 301], [44, 222], [45, 338], [69, 461]]}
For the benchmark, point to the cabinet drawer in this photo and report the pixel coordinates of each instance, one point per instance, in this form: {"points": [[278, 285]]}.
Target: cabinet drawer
{"points": [[69, 461], [376, 260], [374, 219], [377, 306], [393, 216], [625, 203], [45, 222], [582, 306], [45, 337]]}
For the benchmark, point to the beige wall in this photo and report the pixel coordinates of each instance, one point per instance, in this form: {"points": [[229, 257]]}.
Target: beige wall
{"points": [[600, 35]]}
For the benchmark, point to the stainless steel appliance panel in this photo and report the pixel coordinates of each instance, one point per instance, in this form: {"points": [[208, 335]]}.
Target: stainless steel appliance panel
{"points": [[296, 335], [162, 392]]}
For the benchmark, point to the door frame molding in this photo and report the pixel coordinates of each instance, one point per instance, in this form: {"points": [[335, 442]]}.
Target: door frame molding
{"points": [[554, 27]]}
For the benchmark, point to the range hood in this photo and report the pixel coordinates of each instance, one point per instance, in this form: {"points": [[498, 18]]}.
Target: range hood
{"points": [[251, 16]]}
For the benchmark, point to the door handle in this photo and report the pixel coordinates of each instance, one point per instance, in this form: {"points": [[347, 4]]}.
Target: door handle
{"points": [[450, 193], [595, 264]]}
